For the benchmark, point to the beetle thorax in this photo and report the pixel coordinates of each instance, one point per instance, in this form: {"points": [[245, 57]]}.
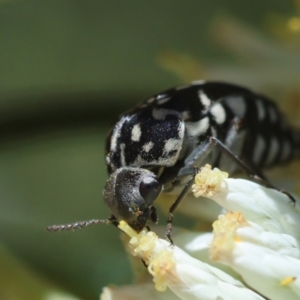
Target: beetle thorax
{"points": [[150, 137]]}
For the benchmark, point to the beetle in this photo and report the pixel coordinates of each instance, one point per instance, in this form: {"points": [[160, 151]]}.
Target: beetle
{"points": [[160, 144]]}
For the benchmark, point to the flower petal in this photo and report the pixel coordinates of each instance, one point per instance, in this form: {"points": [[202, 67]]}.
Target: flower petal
{"points": [[186, 276], [267, 269]]}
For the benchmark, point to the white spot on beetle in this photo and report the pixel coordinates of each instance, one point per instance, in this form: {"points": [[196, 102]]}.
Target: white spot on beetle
{"points": [[163, 100], [273, 150], [172, 144], [260, 109], [259, 148], [237, 105], [218, 113], [147, 147], [206, 102], [115, 135], [160, 114], [113, 141], [181, 128], [197, 128], [123, 160], [161, 96], [136, 133]]}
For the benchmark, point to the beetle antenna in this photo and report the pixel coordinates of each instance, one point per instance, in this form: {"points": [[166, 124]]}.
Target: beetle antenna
{"points": [[79, 225]]}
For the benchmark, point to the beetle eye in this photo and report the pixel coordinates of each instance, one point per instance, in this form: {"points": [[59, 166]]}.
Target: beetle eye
{"points": [[150, 189]]}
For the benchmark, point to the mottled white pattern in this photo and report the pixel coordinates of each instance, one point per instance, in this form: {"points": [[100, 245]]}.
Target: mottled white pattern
{"points": [[123, 160], [197, 128], [160, 114], [237, 105], [136, 133], [273, 150], [206, 102], [163, 100], [272, 114], [113, 140], [260, 109], [163, 160], [172, 144], [259, 148], [218, 113], [286, 150], [116, 134], [147, 147]]}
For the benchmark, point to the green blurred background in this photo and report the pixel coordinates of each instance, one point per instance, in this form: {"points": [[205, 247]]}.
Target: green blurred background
{"points": [[67, 69]]}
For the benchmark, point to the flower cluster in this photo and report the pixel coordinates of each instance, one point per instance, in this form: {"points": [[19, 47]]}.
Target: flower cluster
{"points": [[252, 253]]}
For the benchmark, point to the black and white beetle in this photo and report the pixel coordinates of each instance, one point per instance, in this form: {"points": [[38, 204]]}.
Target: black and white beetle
{"points": [[159, 144]]}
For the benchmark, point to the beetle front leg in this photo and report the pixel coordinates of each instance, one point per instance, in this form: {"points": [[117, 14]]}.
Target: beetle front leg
{"points": [[174, 206]]}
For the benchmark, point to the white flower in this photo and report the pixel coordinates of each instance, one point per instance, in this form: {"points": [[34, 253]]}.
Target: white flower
{"points": [[186, 276], [260, 241], [257, 239], [266, 261]]}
